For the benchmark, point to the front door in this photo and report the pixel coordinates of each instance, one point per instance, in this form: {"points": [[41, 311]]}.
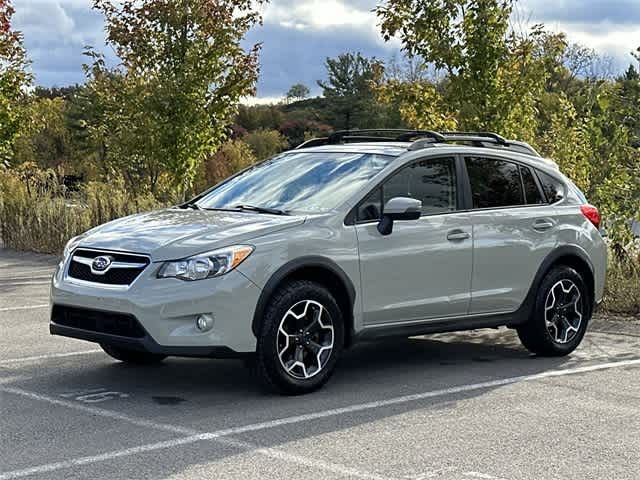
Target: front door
{"points": [[422, 270]]}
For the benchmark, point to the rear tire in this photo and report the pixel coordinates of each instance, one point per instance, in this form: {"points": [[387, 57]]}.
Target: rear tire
{"points": [[132, 356], [560, 316], [300, 339]]}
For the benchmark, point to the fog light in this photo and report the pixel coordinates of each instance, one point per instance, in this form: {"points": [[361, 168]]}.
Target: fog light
{"points": [[204, 323]]}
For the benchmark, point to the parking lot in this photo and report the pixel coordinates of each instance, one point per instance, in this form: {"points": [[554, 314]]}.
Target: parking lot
{"points": [[453, 407]]}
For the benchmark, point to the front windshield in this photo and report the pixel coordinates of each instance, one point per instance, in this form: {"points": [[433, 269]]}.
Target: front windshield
{"points": [[298, 181]]}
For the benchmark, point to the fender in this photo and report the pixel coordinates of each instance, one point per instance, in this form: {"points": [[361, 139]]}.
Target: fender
{"points": [[291, 267], [553, 257]]}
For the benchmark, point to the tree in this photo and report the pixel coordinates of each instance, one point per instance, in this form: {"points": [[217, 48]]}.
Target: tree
{"points": [[168, 106], [298, 92], [349, 90], [14, 79], [265, 143], [466, 38]]}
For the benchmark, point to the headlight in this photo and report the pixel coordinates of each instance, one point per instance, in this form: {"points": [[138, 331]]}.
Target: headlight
{"points": [[206, 265], [70, 246]]}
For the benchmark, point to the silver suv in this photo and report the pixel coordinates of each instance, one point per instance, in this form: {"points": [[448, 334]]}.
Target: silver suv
{"points": [[361, 235]]}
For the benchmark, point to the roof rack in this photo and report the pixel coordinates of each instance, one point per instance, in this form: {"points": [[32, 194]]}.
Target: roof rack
{"points": [[372, 135], [479, 139], [421, 139]]}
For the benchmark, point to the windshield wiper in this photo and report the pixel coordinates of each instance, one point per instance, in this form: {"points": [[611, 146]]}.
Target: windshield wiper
{"points": [[253, 208], [191, 205]]}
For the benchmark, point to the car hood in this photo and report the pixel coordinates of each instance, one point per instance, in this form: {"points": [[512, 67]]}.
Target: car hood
{"points": [[176, 233]]}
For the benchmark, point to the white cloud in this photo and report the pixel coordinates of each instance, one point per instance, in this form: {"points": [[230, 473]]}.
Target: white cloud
{"points": [[298, 35], [318, 14]]}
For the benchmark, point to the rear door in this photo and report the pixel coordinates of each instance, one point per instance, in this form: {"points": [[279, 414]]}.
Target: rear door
{"points": [[423, 269], [513, 231]]}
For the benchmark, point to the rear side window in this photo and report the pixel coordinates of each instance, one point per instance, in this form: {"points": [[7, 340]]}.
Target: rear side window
{"points": [[532, 195], [494, 183], [553, 189]]}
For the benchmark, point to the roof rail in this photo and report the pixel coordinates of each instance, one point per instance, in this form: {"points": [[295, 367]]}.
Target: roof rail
{"points": [[480, 139], [393, 134], [484, 135], [372, 135]]}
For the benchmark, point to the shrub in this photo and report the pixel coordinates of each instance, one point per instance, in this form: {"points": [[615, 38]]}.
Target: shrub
{"points": [[38, 214], [265, 143], [622, 294]]}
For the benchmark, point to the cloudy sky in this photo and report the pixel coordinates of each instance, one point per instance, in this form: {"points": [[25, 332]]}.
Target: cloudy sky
{"points": [[298, 35]]}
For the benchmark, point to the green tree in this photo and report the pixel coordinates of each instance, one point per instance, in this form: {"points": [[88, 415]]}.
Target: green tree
{"points": [[465, 38], [45, 139], [494, 75], [265, 143], [14, 79], [349, 90], [168, 106], [298, 92]]}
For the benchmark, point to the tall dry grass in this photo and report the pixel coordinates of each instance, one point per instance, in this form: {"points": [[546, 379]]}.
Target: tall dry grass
{"points": [[622, 294], [38, 214]]}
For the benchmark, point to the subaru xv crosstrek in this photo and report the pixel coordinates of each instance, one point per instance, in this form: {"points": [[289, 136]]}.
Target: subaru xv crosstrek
{"points": [[357, 236]]}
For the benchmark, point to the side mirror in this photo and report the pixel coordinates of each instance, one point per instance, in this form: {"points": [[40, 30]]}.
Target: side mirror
{"points": [[399, 209]]}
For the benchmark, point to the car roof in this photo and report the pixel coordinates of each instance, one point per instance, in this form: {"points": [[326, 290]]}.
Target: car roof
{"points": [[397, 149]]}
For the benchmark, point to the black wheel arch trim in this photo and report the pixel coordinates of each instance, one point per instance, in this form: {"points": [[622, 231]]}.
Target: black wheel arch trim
{"points": [[557, 254], [290, 268]]}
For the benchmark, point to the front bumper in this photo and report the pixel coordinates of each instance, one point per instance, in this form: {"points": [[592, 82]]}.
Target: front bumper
{"points": [[166, 310]]}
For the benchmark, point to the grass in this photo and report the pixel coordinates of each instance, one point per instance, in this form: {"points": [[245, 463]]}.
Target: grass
{"points": [[622, 293], [37, 214]]}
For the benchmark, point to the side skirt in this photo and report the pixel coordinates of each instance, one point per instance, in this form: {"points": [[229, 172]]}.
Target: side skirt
{"points": [[510, 320]]}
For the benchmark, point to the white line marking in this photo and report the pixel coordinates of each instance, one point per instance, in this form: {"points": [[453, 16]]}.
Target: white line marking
{"points": [[100, 458], [196, 437], [26, 307], [44, 357], [425, 395], [10, 283], [141, 422], [301, 460]]}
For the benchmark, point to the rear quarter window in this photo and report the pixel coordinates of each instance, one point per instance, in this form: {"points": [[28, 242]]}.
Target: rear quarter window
{"points": [[553, 188]]}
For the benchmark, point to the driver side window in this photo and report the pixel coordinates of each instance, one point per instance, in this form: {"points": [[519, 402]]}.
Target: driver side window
{"points": [[432, 181]]}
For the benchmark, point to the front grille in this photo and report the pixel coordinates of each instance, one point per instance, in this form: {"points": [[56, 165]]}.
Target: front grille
{"points": [[98, 321], [125, 269]]}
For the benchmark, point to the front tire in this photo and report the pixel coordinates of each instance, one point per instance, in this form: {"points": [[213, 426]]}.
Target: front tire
{"points": [[132, 356], [300, 340], [560, 316]]}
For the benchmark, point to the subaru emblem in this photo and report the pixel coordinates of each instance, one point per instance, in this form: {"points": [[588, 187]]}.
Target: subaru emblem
{"points": [[101, 264]]}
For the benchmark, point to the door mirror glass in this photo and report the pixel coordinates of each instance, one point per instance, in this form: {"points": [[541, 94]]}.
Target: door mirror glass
{"points": [[399, 209]]}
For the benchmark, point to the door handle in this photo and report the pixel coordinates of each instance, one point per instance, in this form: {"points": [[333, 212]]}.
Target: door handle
{"points": [[542, 225], [457, 235]]}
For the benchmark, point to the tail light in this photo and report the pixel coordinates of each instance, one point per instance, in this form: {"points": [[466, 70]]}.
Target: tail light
{"points": [[592, 214]]}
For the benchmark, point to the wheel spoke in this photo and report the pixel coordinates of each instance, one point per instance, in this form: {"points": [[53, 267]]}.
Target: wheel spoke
{"points": [[305, 339], [563, 315]]}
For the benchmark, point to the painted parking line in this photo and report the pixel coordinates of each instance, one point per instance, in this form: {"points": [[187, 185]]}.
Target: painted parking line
{"points": [[11, 283], [26, 307], [193, 437], [46, 357], [101, 412]]}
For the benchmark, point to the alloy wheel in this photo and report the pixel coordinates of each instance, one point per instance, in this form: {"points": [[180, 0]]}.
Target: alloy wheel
{"points": [[563, 311], [305, 339]]}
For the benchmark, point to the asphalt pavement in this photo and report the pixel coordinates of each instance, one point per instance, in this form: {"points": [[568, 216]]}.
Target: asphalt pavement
{"points": [[459, 406]]}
